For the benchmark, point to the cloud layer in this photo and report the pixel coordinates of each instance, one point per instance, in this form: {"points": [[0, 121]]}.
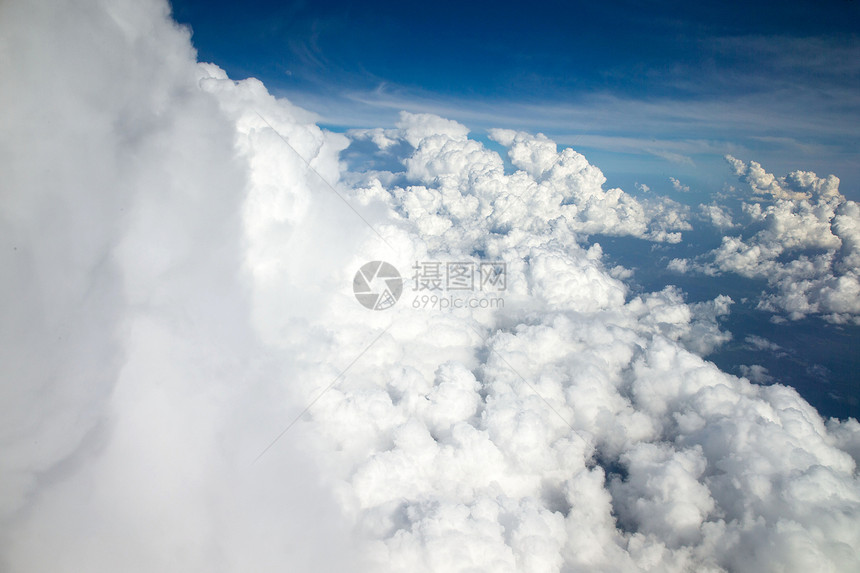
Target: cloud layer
{"points": [[181, 248], [803, 239]]}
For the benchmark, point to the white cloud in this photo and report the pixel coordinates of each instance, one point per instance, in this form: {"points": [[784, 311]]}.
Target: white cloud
{"points": [[663, 494], [180, 305], [533, 154], [794, 186], [761, 343], [460, 185], [756, 373], [134, 389], [417, 127], [678, 186], [696, 325], [803, 242], [678, 265], [718, 216]]}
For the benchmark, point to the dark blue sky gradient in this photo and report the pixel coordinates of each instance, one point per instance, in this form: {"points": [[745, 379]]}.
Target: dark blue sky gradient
{"points": [[647, 88], [520, 50]]}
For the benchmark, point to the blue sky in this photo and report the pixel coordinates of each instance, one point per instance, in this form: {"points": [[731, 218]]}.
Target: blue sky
{"points": [[645, 91]]}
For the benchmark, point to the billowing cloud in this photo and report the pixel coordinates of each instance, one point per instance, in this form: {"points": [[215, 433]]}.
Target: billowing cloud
{"points": [[458, 186], [134, 387], [795, 186], [179, 307], [804, 243]]}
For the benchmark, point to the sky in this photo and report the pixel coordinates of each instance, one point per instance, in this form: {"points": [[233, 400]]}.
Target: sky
{"points": [[649, 89], [208, 361]]}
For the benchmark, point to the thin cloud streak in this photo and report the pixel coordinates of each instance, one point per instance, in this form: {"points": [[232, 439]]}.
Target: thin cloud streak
{"points": [[671, 131]]}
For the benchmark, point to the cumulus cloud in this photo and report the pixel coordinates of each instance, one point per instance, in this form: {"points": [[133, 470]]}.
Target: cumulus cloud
{"points": [[696, 325], [179, 306], [717, 215], [796, 185], [679, 266], [458, 189], [678, 186], [803, 242]]}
